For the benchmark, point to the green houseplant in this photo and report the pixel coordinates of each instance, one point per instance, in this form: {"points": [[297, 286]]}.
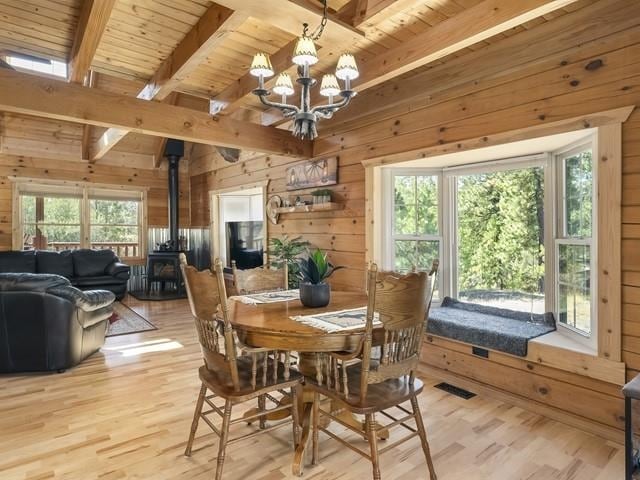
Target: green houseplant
{"points": [[285, 251], [321, 196], [313, 273]]}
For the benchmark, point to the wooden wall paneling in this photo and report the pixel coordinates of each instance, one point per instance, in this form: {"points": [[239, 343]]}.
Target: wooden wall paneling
{"points": [[594, 405], [155, 180], [544, 112], [598, 382], [564, 80], [546, 45], [609, 174]]}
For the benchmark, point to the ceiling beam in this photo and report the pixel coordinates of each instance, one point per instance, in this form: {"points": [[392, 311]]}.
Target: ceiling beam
{"points": [[469, 27], [212, 28], [289, 15], [358, 12], [91, 25], [32, 95]]}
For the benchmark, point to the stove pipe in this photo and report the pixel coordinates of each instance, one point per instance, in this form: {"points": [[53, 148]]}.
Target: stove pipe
{"points": [[174, 151]]}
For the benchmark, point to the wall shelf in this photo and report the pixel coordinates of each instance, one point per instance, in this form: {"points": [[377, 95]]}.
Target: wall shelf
{"points": [[318, 207]]}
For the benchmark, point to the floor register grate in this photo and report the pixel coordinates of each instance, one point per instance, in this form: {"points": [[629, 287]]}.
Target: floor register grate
{"points": [[457, 391]]}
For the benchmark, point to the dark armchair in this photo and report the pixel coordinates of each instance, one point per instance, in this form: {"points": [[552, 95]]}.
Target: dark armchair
{"points": [[47, 324]]}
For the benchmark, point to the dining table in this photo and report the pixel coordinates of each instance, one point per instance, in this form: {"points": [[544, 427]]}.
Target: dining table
{"points": [[271, 326]]}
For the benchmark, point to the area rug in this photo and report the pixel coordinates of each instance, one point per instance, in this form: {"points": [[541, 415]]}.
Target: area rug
{"points": [[124, 321]]}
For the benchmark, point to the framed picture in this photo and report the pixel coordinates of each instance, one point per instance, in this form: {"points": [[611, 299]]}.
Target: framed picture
{"points": [[312, 173]]}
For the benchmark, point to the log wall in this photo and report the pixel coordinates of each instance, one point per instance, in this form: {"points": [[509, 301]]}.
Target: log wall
{"points": [[36, 148]]}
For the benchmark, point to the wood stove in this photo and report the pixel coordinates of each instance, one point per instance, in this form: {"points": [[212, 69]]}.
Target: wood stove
{"points": [[163, 264]]}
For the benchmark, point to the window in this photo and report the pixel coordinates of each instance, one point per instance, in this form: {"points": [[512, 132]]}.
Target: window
{"points": [[516, 233], [37, 64], [51, 220], [114, 222], [574, 257], [415, 219], [500, 238], [66, 218]]}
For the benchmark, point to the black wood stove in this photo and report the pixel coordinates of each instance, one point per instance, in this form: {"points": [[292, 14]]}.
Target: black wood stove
{"points": [[163, 264]]}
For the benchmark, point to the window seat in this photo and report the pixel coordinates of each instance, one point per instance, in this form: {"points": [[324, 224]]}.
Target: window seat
{"points": [[499, 329]]}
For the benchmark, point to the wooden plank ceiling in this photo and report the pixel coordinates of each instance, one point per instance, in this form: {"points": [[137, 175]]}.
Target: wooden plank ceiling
{"points": [[141, 38]]}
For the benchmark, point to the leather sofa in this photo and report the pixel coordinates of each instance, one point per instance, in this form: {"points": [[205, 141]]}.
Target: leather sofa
{"points": [[46, 324], [86, 269]]}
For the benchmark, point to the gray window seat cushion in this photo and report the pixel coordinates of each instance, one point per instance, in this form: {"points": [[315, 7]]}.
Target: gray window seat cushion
{"points": [[499, 329]]}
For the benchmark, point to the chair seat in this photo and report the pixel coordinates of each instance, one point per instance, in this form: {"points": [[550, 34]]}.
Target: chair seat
{"points": [[221, 384], [380, 396]]}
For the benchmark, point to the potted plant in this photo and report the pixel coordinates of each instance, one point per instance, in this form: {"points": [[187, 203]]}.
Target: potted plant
{"points": [[313, 271], [285, 251]]}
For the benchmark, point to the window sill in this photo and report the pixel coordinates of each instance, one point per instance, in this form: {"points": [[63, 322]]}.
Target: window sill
{"points": [[558, 340], [559, 351]]}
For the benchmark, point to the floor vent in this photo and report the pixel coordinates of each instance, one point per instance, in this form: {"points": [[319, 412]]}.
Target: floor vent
{"points": [[457, 391]]}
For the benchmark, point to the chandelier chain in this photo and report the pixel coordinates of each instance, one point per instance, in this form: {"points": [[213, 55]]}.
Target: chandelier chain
{"points": [[317, 33]]}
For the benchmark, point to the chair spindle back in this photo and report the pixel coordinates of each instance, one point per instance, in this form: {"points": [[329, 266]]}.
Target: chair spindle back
{"points": [[402, 304], [260, 279], [208, 301]]}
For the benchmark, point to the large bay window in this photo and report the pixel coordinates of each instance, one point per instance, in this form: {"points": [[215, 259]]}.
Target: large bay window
{"points": [[515, 233], [55, 217]]}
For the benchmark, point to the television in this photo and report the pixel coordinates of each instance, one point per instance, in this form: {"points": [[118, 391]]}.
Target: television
{"points": [[245, 244]]}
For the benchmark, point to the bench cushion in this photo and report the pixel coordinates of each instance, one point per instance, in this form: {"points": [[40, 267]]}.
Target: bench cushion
{"points": [[499, 329]]}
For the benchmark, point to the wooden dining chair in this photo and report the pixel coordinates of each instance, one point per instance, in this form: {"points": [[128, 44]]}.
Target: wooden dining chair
{"points": [[379, 383], [260, 279], [383, 273], [227, 375]]}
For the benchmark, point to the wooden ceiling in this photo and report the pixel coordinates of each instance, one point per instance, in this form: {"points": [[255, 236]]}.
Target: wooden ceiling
{"points": [[139, 41]]}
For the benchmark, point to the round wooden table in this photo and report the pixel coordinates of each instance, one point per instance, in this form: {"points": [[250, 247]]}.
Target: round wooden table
{"points": [[268, 325]]}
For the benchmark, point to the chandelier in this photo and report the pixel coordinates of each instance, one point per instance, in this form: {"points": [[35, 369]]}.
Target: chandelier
{"points": [[305, 117]]}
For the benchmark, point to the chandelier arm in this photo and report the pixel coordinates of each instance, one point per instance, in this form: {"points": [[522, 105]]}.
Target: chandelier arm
{"points": [[331, 108], [288, 110]]}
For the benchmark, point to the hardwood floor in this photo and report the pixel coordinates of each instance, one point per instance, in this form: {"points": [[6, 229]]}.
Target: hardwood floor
{"points": [[125, 414]]}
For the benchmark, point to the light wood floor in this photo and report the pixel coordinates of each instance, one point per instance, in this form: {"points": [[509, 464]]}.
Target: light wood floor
{"points": [[125, 414]]}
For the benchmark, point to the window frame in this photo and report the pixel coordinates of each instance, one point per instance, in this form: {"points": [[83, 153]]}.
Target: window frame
{"points": [[84, 193], [453, 173], [389, 218], [552, 164], [561, 238]]}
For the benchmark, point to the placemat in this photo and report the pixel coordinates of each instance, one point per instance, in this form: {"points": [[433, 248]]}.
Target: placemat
{"points": [[268, 297], [341, 320]]}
